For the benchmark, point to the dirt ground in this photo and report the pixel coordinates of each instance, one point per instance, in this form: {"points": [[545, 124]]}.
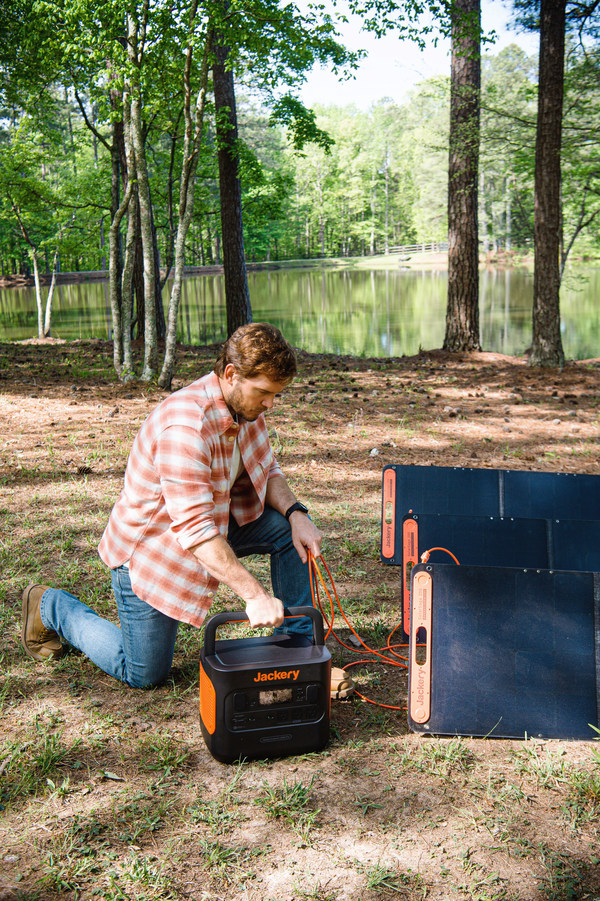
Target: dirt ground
{"points": [[109, 792]]}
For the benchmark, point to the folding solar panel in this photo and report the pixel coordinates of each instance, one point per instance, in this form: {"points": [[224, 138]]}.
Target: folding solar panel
{"points": [[482, 492], [504, 652]]}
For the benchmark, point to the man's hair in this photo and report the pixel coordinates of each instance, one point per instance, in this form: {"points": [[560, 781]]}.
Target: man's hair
{"points": [[258, 349]]}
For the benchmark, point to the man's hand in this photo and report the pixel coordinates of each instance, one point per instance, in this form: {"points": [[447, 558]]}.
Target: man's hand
{"points": [[305, 535], [264, 611]]}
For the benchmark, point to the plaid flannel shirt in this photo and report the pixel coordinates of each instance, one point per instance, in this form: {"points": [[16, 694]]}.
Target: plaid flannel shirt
{"points": [[176, 495]]}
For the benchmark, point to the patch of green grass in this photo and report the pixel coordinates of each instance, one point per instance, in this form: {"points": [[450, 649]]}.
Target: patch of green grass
{"points": [[438, 757], [27, 765], [140, 878], [291, 804], [582, 804], [162, 753], [388, 881], [316, 892], [547, 768], [142, 815], [220, 813], [482, 886], [564, 878], [228, 864], [68, 867]]}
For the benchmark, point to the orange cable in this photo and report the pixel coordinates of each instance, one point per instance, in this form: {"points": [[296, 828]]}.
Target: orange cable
{"points": [[426, 554], [315, 571]]}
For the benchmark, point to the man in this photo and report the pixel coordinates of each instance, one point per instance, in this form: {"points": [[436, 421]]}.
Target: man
{"points": [[202, 489]]}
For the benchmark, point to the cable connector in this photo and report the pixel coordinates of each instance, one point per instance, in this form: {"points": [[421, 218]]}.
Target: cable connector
{"points": [[426, 554]]}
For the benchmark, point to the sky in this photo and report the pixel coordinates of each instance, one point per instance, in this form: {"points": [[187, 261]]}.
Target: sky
{"points": [[392, 68]]}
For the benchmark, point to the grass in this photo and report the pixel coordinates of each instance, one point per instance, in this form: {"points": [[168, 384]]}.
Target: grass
{"points": [[31, 765], [291, 804]]}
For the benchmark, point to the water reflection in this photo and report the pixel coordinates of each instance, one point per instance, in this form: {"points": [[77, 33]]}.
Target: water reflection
{"points": [[363, 312]]}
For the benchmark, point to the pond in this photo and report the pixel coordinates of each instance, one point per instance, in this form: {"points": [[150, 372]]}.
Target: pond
{"points": [[347, 311]]}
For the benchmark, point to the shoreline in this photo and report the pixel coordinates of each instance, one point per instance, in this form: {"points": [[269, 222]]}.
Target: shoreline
{"points": [[393, 261]]}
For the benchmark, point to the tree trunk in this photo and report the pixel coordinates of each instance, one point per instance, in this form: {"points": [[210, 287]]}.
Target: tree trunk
{"points": [[127, 372], [143, 187], [386, 171], [462, 314], [194, 128], [38, 292], [114, 271], [546, 346], [237, 294], [50, 299]]}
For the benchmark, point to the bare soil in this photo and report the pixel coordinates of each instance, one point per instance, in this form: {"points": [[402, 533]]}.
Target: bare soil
{"points": [[110, 792]]}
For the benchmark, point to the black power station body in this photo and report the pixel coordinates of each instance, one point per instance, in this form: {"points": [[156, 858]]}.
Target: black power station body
{"points": [[264, 696]]}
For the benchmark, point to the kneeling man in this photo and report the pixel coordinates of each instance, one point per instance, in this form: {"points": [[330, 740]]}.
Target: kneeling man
{"points": [[202, 489]]}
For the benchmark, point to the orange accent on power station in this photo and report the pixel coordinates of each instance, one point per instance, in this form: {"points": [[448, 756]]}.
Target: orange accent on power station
{"points": [[208, 702], [420, 633], [410, 558], [388, 520]]}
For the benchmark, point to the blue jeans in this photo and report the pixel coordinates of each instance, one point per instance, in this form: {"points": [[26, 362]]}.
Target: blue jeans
{"points": [[140, 652]]}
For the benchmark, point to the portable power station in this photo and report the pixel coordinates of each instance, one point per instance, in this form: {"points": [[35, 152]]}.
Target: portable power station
{"points": [[264, 696]]}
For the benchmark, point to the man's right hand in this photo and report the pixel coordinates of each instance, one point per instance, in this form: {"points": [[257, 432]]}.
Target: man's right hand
{"points": [[264, 611]]}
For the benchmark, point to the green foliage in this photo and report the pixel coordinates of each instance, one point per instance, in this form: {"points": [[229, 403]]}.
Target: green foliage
{"points": [[323, 182], [301, 123]]}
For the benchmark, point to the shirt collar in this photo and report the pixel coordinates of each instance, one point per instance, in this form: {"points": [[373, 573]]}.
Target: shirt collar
{"points": [[224, 419]]}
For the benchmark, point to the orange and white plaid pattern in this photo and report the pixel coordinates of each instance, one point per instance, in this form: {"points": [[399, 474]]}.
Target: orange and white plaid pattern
{"points": [[176, 495]]}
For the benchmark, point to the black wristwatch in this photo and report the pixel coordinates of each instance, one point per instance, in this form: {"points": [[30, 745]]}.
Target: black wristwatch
{"points": [[293, 508]]}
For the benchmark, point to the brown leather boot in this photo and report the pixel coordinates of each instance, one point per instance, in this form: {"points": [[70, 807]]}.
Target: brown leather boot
{"points": [[39, 642]]}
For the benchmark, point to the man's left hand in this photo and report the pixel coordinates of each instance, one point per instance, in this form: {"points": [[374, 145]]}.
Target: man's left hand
{"points": [[305, 535]]}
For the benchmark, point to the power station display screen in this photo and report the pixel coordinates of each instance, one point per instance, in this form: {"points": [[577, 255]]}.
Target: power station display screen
{"points": [[275, 696]]}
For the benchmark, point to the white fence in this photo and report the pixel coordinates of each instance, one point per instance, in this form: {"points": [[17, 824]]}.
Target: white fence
{"points": [[423, 247]]}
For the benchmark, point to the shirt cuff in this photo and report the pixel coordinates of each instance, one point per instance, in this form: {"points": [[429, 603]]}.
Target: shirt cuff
{"points": [[193, 537]]}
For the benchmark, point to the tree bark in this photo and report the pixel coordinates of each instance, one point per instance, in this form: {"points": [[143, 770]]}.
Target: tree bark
{"points": [[50, 299], [462, 312], [194, 127], [38, 292], [237, 294], [143, 187], [546, 347], [114, 277]]}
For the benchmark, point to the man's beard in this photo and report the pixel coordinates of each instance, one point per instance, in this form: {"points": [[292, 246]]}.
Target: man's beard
{"points": [[236, 403]]}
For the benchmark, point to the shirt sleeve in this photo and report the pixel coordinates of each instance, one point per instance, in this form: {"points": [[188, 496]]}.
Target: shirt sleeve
{"points": [[183, 463]]}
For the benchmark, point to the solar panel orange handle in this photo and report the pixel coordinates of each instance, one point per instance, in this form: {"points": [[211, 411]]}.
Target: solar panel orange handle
{"points": [[410, 558], [388, 519], [420, 647]]}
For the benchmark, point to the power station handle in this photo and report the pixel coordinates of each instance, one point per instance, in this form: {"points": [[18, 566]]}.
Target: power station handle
{"points": [[219, 619]]}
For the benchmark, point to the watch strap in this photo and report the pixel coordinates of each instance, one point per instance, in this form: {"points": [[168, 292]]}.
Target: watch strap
{"points": [[295, 506]]}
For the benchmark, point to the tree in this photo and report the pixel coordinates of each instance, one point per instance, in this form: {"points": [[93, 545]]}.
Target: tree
{"points": [[462, 20], [580, 155], [35, 205], [506, 155], [462, 314], [553, 17], [237, 294], [546, 348]]}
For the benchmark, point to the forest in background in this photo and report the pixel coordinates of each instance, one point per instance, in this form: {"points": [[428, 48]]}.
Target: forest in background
{"points": [[380, 181]]}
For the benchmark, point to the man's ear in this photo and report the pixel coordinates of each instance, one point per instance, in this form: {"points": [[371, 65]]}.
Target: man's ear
{"points": [[229, 373]]}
